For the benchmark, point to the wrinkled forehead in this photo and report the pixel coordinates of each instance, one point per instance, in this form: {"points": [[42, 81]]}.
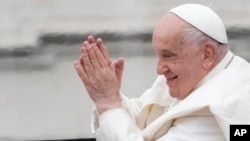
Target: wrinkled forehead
{"points": [[170, 27], [169, 36], [170, 24]]}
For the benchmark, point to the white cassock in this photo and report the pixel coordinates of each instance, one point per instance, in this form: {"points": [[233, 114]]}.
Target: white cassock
{"points": [[220, 99]]}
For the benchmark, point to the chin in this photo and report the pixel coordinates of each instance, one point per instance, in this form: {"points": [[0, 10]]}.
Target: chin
{"points": [[174, 94]]}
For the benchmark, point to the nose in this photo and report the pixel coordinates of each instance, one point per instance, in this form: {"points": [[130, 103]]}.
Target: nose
{"points": [[161, 67]]}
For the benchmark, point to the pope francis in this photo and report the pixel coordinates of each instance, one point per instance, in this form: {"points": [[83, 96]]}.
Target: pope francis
{"points": [[202, 87]]}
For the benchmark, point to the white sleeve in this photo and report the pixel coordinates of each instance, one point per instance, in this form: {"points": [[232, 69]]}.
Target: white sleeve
{"points": [[117, 125]]}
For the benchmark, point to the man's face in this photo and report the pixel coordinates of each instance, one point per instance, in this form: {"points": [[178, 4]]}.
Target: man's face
{"points": [[178, 60]]}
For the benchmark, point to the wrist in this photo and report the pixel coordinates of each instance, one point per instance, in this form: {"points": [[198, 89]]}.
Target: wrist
{"points": [[101, 108], [106, 105]]}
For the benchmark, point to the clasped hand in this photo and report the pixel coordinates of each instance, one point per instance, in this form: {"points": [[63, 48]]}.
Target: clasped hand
{"points": [[100, 76]]}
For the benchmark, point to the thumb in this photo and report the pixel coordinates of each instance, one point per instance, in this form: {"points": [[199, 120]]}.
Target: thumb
{"points": [[119, 66]]}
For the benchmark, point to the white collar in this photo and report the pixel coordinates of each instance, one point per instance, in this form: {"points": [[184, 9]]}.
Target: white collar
{"points": [[224, 63]]}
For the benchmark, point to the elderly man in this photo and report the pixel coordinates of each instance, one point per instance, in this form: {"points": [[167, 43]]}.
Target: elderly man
{"points": [[201, 89]]}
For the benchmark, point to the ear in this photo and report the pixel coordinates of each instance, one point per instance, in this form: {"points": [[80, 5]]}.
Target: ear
{"points": [[209, 55]]}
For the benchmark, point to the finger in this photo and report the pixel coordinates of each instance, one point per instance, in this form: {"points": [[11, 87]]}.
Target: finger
{"points": [[86, 62], [119, 65], [103, 50], [91, 39], [81, 60], [80, 71], [92, 55], [100, 57]]}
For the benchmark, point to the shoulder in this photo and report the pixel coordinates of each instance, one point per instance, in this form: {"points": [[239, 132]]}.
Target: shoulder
{"points": [[240, 65]]}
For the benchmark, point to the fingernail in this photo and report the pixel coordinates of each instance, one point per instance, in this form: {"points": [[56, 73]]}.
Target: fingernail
{"points": [[85, 43], [77, 64]]}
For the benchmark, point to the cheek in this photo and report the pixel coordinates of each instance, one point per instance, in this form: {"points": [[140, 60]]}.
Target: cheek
{"points": [[189, 74], [187, 83], [193, 75], [192, 70]]}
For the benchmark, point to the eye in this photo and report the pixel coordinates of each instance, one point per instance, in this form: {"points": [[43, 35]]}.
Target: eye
{"points": [[167, 55]]}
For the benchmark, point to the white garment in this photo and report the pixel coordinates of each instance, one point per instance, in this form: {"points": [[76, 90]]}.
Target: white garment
{"points": [[218, 101]]}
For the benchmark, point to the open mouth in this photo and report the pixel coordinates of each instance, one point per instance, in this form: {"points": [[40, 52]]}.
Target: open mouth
{"points": [[171, 78]]}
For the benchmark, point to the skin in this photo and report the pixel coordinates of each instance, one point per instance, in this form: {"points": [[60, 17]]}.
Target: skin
{"points": [[100, 76], [183, 63]]}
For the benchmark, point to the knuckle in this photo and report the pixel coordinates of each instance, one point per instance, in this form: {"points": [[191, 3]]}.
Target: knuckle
{"points": [[88, 67], [92, 58], [100, 59]]}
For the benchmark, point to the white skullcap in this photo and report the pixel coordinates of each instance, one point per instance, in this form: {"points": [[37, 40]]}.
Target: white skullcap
{"points": [[204, 19]]}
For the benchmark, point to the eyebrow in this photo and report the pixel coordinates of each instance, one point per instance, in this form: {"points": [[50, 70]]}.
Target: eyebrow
{"points": [[168, 51]]}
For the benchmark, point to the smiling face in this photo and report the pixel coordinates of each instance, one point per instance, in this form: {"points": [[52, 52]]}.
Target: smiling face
{"points": [[179, 60]]}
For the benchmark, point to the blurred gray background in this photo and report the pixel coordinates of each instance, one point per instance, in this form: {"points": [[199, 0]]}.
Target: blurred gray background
{"points": [[41, 96]]}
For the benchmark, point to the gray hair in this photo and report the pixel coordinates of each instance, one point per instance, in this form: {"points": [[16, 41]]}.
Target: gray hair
{"points": [[194, 35]]}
